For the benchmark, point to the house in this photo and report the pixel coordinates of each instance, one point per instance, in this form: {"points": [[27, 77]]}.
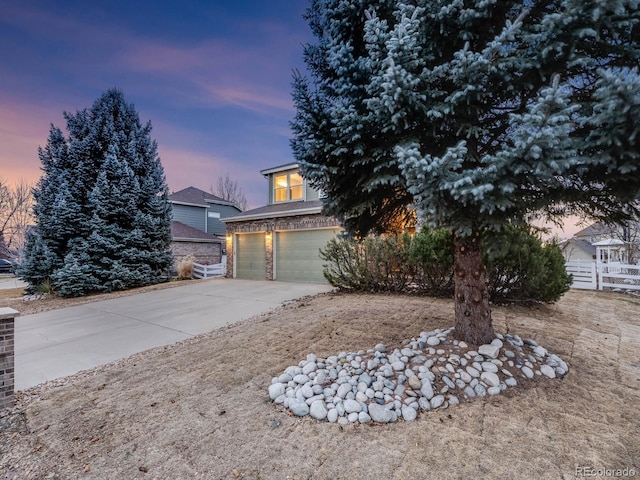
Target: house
{"points": [[583, 245], [578, 249], [196, 227], [596, 232], [281, 240]]}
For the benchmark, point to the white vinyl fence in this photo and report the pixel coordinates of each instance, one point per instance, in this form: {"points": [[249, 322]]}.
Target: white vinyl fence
{"points": [[614, 275], [210, 271], [619, 276], [584, 274]]}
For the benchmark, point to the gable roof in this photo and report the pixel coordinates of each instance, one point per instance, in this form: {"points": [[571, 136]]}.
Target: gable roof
{"points": [[603, 230], [196, 197], [598, 228], [181, 231], [581, 244]]}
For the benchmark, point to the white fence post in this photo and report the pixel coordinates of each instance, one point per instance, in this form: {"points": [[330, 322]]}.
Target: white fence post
{"points": [[599, 270]]}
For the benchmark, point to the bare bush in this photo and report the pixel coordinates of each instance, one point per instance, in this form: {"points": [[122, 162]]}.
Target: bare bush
{"points": [[184, 266], [15, 216]]}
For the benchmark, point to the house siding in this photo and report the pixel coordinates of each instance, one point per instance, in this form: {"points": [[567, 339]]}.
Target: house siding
{"points": [[270, 182], [214, 225], [195, 217], [311, 193], [573, 253]]}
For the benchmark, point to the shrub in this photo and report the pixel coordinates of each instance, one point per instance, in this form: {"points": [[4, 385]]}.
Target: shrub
{"points": [[374, 264], [432, 255], [519, 267], [46, 287], [184, 267]]}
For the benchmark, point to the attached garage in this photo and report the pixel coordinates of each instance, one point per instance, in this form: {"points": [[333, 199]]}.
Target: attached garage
{"points": [[297, 257], [249, 255], [281, 240]]}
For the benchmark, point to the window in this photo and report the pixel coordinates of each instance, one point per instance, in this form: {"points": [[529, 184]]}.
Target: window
{"points": [[287, 187]]}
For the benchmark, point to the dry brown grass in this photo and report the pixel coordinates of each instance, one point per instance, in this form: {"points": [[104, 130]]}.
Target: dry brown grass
{"points": [[11, 293], [199, 409], [13, 298]]}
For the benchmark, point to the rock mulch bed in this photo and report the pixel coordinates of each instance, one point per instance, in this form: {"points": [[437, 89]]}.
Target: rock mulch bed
{"points": [[431, 371]]}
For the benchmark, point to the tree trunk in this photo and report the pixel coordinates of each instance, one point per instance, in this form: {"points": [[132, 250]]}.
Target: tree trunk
{"points": [[473, 313]]}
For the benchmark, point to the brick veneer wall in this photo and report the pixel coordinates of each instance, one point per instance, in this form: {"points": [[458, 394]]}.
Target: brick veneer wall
{"points": [[7, 357], [207, 253], [303, 222]]}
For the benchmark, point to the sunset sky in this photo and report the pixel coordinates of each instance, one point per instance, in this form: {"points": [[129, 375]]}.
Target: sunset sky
{"points": [[214, 78]]}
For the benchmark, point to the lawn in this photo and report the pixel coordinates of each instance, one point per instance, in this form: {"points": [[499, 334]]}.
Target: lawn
{"points": [[200, 409]]}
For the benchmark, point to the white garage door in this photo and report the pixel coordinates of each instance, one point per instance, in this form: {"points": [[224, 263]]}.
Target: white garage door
{"points": [[297, 254], [249, 256]]}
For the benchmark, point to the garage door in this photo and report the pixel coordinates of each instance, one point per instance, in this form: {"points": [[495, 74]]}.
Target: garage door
{"points": [[297, 254], [249, 256]]}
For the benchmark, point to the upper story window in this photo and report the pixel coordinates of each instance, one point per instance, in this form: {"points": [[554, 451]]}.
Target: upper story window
{"points": [[288, 186]]}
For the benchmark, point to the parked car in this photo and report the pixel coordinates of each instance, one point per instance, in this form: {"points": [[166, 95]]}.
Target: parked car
{"points": [[6, 266]]}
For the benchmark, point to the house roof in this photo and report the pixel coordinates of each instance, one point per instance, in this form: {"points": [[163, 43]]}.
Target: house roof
{"points": [[181, 231], [288, 209], [598, 228], [279, 168], [196, 197], [581, 244], [609, 242]]}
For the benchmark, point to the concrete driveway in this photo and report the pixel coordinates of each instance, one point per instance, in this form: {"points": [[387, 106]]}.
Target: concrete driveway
{"points": [[62, 342]]}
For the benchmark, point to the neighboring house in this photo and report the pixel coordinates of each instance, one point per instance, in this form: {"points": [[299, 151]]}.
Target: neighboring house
{"points": [[584, 243], [282, 240], [596, 232], [575, 249], [196, 228]]}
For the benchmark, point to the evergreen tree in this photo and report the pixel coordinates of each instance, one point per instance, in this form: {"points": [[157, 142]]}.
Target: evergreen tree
{"points": [[478, 112], [101, 205]]}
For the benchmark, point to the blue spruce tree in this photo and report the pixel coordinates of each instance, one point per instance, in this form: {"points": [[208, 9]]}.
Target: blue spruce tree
{"points": [[478, 113], [101, 205]]}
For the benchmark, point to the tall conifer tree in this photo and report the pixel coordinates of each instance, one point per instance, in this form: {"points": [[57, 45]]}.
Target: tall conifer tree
{"points": [[101, 205], [480, 113]]}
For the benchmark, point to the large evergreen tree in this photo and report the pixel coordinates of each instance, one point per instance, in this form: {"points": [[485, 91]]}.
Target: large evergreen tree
{"points": [[480, 113], [102, 210]]}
